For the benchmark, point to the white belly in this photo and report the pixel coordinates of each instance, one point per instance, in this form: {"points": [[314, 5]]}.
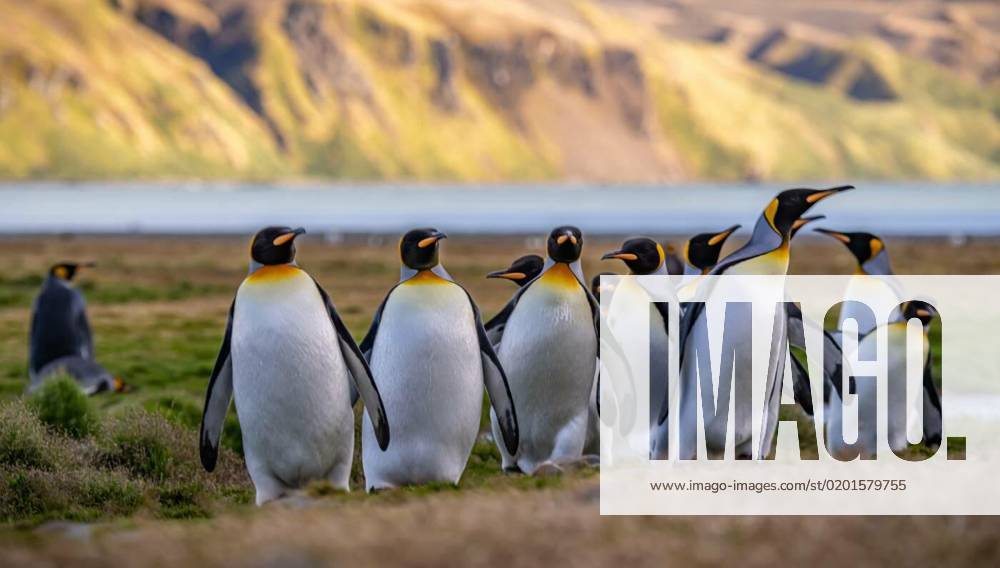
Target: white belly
{"points": [[290, 382], [549, 351], [427, 364]]}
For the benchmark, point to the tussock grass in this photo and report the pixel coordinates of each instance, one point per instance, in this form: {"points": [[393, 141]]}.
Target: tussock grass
{"points": [[60, 404], [136, 462]]}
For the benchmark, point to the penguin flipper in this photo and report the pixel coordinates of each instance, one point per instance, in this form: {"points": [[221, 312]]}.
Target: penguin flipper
{"points": [[497, 386], [797, 347], [932, 423], [360, 372], [368, 343], [217, 399], [86, 336]]}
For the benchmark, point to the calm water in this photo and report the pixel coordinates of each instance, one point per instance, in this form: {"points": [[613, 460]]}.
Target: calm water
{"points": [[898, 208]]}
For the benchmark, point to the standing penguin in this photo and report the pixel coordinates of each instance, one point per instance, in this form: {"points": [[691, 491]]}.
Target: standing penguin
{"points": [[644, 257], [520, 272], [766, 253], [872, 260], [60, 338], [549, 350], [872, 257], [429, 352], [289, 360], [701, 252]]}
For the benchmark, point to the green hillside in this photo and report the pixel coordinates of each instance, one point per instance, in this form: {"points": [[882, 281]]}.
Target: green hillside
{"points": [[450, 90]]}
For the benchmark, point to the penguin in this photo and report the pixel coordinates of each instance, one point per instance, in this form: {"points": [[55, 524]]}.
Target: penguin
{"points": [[592, 444], [644, 257], [520, 272], [549, 349], [60, 338], [288, 360], [766, 253], [872, 260], [803, 221], [596, 288], [674, 263], [701, 251], [428, 350]]}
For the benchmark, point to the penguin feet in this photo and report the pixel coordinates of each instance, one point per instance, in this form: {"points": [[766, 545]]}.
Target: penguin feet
{"points": [[512, 469], [548, 469]]}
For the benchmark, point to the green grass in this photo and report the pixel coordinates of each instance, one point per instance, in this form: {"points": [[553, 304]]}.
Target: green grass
{"points": [[62, 406], [137, 462]]}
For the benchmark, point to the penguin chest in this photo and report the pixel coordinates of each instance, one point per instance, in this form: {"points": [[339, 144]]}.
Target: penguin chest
{"points": [[774, 263], [290, 381], [427, 364], [549, 348]]}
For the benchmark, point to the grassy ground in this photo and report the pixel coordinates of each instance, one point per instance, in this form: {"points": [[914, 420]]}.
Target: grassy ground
{"points": [[158, 309]]}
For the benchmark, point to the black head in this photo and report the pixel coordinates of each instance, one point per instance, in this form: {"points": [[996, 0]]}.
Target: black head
{"points": [[803, 221], [864, 246], [921, 310], [791, 204], [642, 255], [274, 245], [68, 270], [418, 249], [595, 284], [565, 244], [703, 249], [521, 271]]}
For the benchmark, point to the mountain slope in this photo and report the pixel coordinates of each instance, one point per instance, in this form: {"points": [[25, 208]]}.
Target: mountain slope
{"points": [[454, 90]]}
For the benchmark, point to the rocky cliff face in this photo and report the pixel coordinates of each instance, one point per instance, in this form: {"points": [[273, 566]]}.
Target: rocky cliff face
{"points": [[451, 90]]}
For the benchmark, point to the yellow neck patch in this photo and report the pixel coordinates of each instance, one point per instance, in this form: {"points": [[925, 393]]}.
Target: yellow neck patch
{"points": [[770, 212], [275, 273], [425, 277], [559, 275]]}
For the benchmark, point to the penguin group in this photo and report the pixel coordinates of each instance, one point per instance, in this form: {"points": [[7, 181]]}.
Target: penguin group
{"points": [[295, 372]]}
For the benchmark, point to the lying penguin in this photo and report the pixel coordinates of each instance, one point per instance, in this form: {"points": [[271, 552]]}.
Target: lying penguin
{"points": [[289, 361], [428, 350], [61, 341]]}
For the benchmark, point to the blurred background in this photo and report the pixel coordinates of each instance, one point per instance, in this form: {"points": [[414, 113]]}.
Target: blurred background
{"points": [[477, 115]]}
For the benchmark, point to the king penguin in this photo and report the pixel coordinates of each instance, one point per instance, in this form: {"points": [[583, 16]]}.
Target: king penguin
{"points": [[766, 253], [872, 258], [60, 337], [520, 272], [643, 257], [549, 350], [701, 252], [429, 353], [289, 361]]}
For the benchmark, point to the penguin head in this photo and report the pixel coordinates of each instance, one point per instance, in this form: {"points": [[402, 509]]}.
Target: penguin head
{"points": [[921, 310], [596, 288], [703, 249], [521, 271], [642, 255], [418, 249], [864, 246], [565, 244], [274, 245], [803, 221], [791, 204], [67, 270]]}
